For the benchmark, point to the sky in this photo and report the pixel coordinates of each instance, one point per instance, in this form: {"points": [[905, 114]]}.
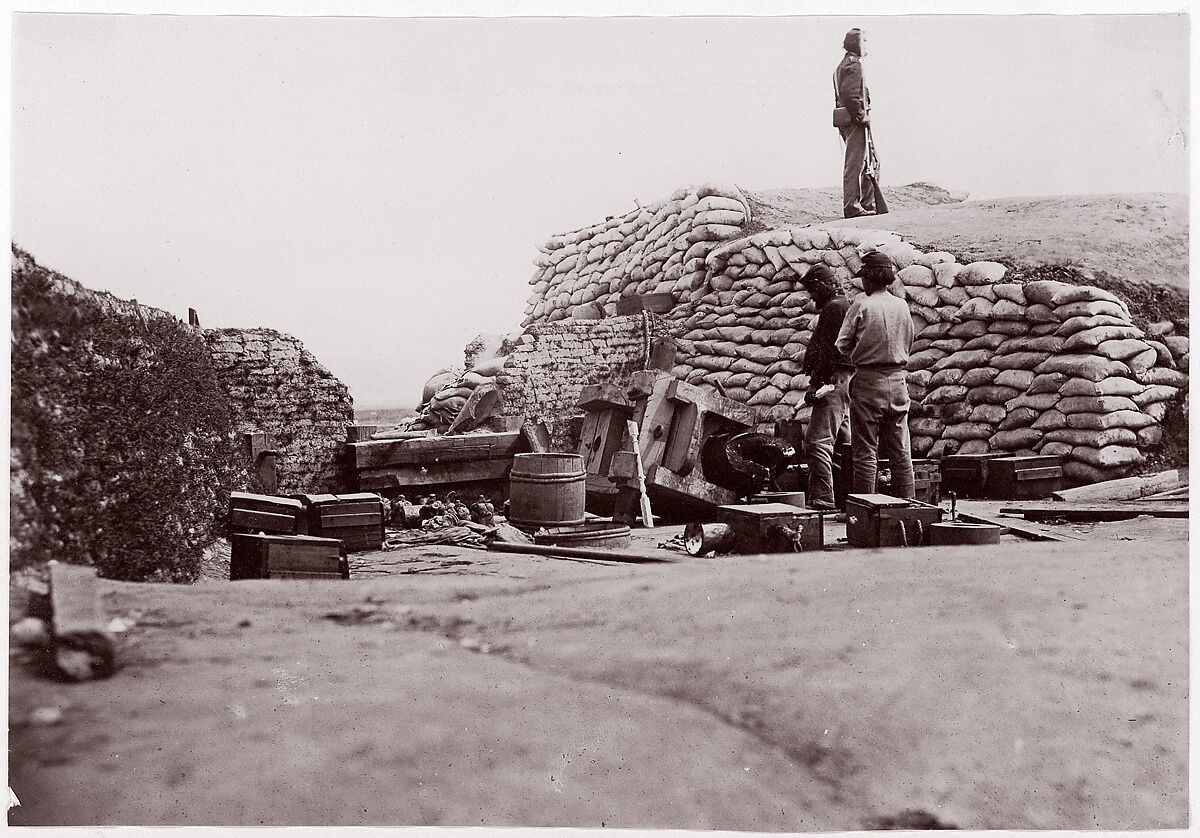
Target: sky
{"points": [[378, 187]]}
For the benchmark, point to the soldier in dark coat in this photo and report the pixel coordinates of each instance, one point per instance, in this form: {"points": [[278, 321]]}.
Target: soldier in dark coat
{"points": [[850, 92]]}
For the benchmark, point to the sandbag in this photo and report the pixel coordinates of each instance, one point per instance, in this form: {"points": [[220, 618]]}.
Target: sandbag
{"points": [[923, 296], [955, 411], [1106, 387], [944, 377], [1079, 473], [1050, 382], [979, 376], [1133, 419], [1089, 310], [1082, 293], [1089, 339], [1121, 350], [989, 341], [1039, 401], [734, 218], [946, 394], [927, 427], [1074, 325], [1008, 310], [1044, 343], [992, 414], [948, 345], [977, 308], [992, 394], [1016, 439], [917, 275], [1095, 404], [1055, 449], [1113, 436], [1040, 313], [973, 446], [926, 359], [943, 448], [968, 430], [1110, 456], [1022, 417], [1155, 393], [922, 378], [1164, 376], [1091, 367], [1050, 420], [1157, 410], [1009, 327], [953, 296], [1019, 360], [981, 273], [1043, 290], [965, 359], [1020, 379], [1012, 292], [984, 291], [1149, 436]]}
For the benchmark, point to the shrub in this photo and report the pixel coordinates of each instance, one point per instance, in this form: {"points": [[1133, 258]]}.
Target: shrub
{"points": [[122, 436]]}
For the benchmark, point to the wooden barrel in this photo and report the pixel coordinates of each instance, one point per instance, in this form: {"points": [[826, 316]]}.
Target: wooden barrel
{"points": [[609, 536], [958, 532], [546, 490]]}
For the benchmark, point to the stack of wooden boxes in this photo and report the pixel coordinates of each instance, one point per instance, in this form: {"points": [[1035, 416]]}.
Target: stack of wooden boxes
{"points": [[355, 519]]}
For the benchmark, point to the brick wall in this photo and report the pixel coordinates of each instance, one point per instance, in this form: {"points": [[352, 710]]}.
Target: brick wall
{"points": [[552, 362], [276, 385]]}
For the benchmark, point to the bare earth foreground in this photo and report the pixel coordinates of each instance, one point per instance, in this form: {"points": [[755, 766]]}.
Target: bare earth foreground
{"points": [[1016, 686]]}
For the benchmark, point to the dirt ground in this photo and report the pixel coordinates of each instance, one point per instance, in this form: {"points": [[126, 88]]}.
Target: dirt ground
{"points": [[1019, 686]]}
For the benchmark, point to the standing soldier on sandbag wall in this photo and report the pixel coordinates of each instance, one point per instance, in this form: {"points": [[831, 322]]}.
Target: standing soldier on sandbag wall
{"points": [[851, 117], [828, 393], [876, 335]]}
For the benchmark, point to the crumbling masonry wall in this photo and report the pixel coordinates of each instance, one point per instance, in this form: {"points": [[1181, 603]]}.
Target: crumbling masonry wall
{"points": [[276, 385], [552, 362]]}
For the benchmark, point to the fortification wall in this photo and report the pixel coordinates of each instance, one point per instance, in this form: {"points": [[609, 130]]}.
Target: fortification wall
{"points": [[276, 385], [1001, 362], [552, 362]]}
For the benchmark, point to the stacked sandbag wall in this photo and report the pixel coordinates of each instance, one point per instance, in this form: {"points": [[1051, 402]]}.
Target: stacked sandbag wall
{"points": [[652, 249]]}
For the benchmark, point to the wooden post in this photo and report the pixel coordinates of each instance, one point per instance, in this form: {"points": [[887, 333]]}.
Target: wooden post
{"points": [[83, 647]]}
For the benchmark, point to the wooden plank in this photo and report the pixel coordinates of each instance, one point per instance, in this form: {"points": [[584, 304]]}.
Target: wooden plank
{"points": [[454, 449], [1013, 528], [1127, 488], [361, 519], [536, 437], [351, 508], [677, 452], [83, 647], [264, 503], [380, 479], [1038, 473], [604, 395], [252, 519], [360, 433], [659, 302], [1098, 511]]}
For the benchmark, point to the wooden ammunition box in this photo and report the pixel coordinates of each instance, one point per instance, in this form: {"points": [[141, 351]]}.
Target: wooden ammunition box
{"points": [[264, 513], [927, 481], [1024, 478], [356, 520], [885, 521], [966, 474], [773, 527], [286, 557]]}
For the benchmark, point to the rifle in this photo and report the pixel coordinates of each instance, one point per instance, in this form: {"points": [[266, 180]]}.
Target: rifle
{"points": [[872, 171]]}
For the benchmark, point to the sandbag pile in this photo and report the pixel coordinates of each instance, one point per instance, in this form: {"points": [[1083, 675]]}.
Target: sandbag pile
{"points": [[748, 331], [452, 389], [653, 249]]}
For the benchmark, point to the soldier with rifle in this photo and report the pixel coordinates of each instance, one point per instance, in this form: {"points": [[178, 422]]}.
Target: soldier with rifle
{"points": [[861, 194]]}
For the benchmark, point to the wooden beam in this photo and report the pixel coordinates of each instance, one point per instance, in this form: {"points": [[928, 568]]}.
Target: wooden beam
{"points": [[428, 450], [1127, 488], [1097, 511], [1013, 528], [393, 477]]}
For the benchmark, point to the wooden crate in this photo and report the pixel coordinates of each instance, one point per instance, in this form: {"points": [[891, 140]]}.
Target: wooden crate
{"points": [[286, 557], [773, 527], [1024, 478], [355, 519], [885, 521], [250, 513], [966, 474]]}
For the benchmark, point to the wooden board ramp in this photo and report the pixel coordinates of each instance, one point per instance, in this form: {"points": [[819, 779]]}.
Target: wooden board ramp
{"points": [[83, 647], [1099, 511]]}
